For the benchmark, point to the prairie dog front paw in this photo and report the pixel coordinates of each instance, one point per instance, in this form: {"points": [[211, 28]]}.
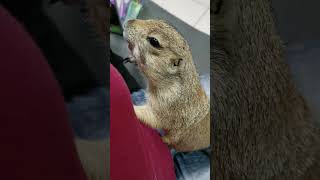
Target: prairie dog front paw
{"points": [[169, 141], [138, 111], [146, 116], [166, 140]]}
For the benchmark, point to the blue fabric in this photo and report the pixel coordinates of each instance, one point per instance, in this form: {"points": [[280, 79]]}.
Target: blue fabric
{"points": [[192, 165], [89, 114], [139, 97]]}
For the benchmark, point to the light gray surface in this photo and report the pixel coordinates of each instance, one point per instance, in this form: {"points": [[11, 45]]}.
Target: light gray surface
{"points": [[198, 41]]}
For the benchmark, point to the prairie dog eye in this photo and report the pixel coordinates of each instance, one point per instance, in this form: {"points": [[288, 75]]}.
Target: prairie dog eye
{"points": [[154, 42]]}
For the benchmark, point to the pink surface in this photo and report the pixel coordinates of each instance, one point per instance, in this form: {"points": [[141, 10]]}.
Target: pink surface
{"points": [[137, 152], [36, 140]]}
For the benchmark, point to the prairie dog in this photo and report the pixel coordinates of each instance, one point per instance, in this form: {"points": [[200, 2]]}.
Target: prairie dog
{"points": [[176, 101], [261, 128]]}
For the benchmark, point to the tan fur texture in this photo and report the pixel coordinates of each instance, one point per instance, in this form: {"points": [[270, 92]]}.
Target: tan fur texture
{"points": [[176, 100], [261, 124]]}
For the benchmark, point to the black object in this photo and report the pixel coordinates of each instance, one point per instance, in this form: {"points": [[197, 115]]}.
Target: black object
{"points": [[69, 68], [117, 62], [114, 19]]}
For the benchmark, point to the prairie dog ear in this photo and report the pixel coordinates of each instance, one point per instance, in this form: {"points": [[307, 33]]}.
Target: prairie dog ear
{"points": [[176, 62], [175, 65]]}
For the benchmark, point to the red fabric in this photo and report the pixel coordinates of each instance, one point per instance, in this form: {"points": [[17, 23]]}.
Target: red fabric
{"points": [[35, 136], [137, 152]]}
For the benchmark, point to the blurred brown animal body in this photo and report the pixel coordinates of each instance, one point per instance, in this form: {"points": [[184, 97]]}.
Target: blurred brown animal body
{"points": [[176, 101], [261, 124]]}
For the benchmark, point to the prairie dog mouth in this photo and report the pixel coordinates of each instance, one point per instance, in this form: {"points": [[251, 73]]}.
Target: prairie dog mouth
{"points": [[131, 58], [133, 51]]}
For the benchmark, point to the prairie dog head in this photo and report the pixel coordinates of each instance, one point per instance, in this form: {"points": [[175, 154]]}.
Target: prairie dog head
{"points": [[159, 50]]}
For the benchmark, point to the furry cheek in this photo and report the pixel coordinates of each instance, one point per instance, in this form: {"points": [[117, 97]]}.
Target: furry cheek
{"points": [[136, 53]]}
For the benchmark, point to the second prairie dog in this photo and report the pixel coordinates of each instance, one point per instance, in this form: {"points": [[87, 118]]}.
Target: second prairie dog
{"points": [[263, 128], [176, 101]]}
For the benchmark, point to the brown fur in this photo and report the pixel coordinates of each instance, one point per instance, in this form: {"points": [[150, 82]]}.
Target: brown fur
{"points": [[261, 127], [176, 100]]}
